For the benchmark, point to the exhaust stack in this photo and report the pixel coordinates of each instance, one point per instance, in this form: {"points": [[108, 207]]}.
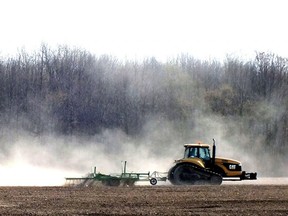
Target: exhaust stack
{"points": [[213, 153]]}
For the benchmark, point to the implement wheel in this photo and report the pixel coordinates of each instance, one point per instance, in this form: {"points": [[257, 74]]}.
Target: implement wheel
{"points": [[153, 181]]}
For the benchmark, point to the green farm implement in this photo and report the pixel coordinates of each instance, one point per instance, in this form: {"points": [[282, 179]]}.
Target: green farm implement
{"points": [[124, 179]]}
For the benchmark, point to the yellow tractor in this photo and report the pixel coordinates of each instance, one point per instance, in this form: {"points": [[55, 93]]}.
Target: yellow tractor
{"points": [[199, 167]]}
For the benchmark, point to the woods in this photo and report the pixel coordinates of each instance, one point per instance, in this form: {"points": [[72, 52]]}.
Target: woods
{"points": [[71, 91]]}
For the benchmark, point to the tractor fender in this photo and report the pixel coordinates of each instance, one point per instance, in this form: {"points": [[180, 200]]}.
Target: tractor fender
{"points": [[195, 161]]}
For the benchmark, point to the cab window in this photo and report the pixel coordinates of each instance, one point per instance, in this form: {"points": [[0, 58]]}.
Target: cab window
{"points": [[204, 153], [191, 152]]}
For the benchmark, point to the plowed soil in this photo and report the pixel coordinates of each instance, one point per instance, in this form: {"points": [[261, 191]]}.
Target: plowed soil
{"points": [[146, 200]]}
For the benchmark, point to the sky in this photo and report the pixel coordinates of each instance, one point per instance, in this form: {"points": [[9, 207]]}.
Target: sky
{"points": [[136, 29]]}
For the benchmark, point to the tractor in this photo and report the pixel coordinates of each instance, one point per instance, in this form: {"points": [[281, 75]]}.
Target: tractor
{"points": [[198, 167]]}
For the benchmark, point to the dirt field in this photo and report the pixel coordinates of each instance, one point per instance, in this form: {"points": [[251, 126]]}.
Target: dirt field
{"points": [[146, 200]]}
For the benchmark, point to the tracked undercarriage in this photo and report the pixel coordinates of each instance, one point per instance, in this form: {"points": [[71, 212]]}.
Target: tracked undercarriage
{"points": [[187, 174]]}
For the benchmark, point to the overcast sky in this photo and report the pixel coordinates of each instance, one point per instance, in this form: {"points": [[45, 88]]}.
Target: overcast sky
{"points": [[144, 28]]}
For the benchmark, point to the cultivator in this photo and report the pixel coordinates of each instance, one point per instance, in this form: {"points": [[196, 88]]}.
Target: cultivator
{"points": [[124, 179]]}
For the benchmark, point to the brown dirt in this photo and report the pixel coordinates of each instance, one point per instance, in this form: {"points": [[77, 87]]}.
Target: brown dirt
{"points": [[146, 200]]}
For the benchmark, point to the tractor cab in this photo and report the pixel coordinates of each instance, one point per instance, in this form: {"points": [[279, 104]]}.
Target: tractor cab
{"points": [[197, 150], [201, 151]]}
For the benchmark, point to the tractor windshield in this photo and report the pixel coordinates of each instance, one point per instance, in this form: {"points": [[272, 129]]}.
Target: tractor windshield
{"points": [[198, 152]]}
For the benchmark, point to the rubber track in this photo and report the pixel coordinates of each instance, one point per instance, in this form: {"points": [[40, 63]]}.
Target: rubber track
{"points": [[199, 170]]}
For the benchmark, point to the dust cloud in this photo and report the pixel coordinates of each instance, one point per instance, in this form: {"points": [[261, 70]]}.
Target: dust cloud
{"points": [[46, 160], [29, 160]]}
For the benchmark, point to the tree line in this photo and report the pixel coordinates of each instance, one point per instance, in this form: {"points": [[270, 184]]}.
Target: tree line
{"points": [[72, 91]]}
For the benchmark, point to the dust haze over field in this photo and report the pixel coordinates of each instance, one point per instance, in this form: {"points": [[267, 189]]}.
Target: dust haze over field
{"points": [[116, 84], [47, 159], [64, 111]]}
